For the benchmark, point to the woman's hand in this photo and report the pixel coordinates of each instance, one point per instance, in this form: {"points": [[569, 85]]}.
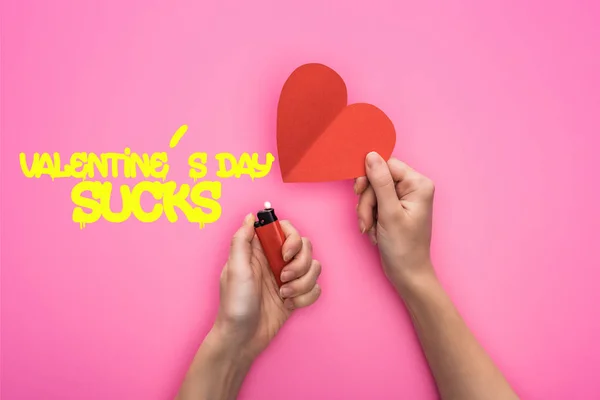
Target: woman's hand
{"points": [[395, 208], [252, 309]]}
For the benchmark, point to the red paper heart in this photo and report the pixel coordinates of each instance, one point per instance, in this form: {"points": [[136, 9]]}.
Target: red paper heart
{"points": [[321, 138]]}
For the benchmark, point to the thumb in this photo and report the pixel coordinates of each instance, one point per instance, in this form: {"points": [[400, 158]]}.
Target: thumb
{"points": [[381, 181], [240, 251]]}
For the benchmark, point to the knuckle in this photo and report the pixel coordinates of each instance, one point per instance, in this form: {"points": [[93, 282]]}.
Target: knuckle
{"points": [[306, 244], [317, 290], [316, 266], [294, 241], [428, 186], [234, 240], [365, 213], [287, 225], [366, 200], [316, 293], [424, 182], [383, 179]]}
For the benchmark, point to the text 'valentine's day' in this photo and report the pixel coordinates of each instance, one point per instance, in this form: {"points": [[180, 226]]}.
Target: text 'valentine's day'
{"points": [[92, 196]]}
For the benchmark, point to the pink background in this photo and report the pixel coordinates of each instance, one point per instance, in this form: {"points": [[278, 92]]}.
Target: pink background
{"points": [[497, 102]]}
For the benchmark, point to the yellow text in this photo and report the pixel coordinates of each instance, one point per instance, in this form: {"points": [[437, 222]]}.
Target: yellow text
{"points": [[197, 203], [230, 166], [89, 165]]}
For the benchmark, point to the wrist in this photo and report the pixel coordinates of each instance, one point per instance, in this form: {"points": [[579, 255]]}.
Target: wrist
{"points": [[222, 345], [417, 282], [217, 371]]}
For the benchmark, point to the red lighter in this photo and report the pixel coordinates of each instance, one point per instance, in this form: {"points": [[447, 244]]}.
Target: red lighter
{"points": [[271, 238]]}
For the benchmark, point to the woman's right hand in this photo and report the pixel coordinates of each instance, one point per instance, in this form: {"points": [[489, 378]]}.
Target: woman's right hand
{"points": [[395, 209]]}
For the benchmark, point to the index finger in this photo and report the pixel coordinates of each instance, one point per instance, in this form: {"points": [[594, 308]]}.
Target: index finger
{"points": [[293, 241], [360, 184]]}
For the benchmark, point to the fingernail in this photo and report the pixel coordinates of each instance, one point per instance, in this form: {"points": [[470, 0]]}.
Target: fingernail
{"points": [[248, 218], [287, 256], [289, 304], [286, 276], [373, 159], [354, 188], [285, 291], [363, 228]]}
